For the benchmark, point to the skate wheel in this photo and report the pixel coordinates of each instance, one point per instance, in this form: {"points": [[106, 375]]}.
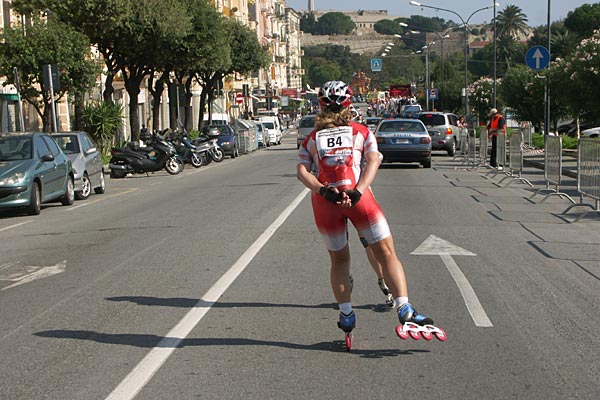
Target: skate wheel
{"points": [[441, 335], [427, 335], [415, 335], [402, 334], [349, 340]]}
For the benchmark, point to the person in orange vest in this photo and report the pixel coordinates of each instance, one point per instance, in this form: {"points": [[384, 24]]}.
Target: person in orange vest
{"points": [[496, 125]]}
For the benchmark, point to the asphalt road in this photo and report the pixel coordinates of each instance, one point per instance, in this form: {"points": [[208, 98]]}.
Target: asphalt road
{"points": [[214, 284]]}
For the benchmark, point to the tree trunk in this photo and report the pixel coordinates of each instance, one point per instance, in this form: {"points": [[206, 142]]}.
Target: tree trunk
{"points": [[173, 111], [188, 104], [107, 95], [78, 109], [156, 90], [132, 85]]}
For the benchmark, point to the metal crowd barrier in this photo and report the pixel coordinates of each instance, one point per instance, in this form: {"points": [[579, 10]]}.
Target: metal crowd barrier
{"points": [[515, 157], [526, 128], [462, 145], [483, 145], [553, 168], [588, 175]]}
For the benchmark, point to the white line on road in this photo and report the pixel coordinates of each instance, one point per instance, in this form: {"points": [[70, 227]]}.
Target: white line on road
{"points": [[477, 312], [14, 226], [145, 370]]}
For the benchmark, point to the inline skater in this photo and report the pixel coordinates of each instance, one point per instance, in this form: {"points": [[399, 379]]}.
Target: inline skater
{"points": [[340, 191]]}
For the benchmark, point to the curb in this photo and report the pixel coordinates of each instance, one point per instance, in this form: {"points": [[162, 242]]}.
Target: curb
{"points": [[540, 165]]}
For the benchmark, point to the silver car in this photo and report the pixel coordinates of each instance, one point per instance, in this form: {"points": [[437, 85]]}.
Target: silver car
{"points": [[404, 140], [444, 130], [305, 126], [86, 162]]}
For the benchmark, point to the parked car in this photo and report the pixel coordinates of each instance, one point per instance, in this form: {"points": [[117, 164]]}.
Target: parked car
{"points": [[305, 126], [591, 132], [273, 127], [372, 122], [444, 130], [33, 170], [263, 135], [226, 139], [85, 160], [404, 140]]}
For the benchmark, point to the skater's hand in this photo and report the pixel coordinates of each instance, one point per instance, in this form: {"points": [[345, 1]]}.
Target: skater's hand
{"points": [[354, 195], [331, 194]]}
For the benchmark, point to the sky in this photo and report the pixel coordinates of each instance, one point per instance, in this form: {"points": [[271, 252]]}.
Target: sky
{"points": [[536, 10]]}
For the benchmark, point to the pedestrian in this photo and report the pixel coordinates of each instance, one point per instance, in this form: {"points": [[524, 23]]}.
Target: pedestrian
{"points": [[340, 192], [496, 125]]}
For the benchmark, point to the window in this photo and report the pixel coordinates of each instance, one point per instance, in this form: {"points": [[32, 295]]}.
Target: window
{"points": [[51, 145]]}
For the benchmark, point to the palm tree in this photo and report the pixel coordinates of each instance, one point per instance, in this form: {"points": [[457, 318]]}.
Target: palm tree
{"points": [[511, 22]]}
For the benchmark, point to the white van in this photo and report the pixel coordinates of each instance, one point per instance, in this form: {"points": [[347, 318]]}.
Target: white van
{"points": [[218, 118], [271, 123]]}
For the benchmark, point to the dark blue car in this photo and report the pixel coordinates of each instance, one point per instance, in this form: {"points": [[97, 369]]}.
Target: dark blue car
{"points": [[227, 140]]}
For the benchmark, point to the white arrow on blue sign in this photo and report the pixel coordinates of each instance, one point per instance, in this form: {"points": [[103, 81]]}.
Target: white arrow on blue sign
{"points": [[375, 64], [537, 57]]}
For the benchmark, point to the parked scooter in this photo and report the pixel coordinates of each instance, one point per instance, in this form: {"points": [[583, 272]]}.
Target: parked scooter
{"points": [[135, 159], [189, 153], [207, 144]]}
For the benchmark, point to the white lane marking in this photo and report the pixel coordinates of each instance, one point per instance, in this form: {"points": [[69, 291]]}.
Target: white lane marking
{"points": [[135, 381], [433, 245], [104, 197], [35, 273], [14, 226]]}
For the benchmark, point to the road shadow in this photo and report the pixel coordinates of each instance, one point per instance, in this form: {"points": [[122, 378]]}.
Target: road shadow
{"points": [[183, 302], [152, 341]]}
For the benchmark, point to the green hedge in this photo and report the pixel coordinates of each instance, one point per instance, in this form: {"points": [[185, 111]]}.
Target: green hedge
{"points": [[568, 142]]}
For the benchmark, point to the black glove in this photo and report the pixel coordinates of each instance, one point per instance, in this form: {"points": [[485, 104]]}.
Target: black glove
{"points": [[330, 195], [354, 195]]}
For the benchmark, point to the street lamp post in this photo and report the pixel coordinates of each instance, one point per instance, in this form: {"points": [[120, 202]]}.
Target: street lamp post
{"points": [[466, 26]]}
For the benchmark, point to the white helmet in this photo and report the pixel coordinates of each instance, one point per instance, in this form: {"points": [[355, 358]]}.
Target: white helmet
{"points": [[335, 95]]}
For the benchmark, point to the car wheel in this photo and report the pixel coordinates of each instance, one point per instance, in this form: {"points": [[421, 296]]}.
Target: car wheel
{"points": [[69, 197], [35, 203], [86, 188], [100, 189], [426, 164], [452, 148], [117, 174]]}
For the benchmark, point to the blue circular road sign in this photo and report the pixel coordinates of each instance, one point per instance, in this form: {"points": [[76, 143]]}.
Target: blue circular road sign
{"points": [[537, 57]]}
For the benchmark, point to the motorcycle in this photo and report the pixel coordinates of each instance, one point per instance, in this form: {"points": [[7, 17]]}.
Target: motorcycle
{"points": [[188, 152], [135, 159], [207, 144]]}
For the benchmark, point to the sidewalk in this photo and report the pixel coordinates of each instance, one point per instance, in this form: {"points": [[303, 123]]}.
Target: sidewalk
{"points": [[569, 162]]}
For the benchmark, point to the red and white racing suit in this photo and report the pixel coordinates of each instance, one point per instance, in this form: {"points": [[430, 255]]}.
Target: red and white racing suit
{"points": [[337, 154]]}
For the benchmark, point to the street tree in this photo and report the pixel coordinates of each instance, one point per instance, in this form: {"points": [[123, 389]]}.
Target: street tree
{"points": [[511, 22], [246, 55], [46, 42], [583, 20], [577, 78], [334, 23]]}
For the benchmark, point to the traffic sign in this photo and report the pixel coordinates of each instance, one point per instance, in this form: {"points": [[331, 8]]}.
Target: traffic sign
{"points": [[537, 57], [376, 64], [239, 98], [433, 94]]}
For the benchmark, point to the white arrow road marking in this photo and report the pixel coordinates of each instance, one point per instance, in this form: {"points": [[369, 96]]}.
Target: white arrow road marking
{"points": [[433, 245], [32, 273]]}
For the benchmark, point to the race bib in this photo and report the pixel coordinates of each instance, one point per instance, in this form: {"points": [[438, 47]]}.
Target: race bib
{"points": [[335, 142]]}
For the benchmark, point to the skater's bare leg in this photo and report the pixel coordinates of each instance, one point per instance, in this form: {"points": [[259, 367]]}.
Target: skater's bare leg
{"points": [[340, 275], [393, 271], [374, 263]]}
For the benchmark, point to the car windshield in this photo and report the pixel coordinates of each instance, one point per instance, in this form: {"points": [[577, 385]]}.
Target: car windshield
{"points": [[269, 125], [15, 148], [412, 109], [69, 144], [401, 126], [433, 119], [373, 121], [307, 122]]}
